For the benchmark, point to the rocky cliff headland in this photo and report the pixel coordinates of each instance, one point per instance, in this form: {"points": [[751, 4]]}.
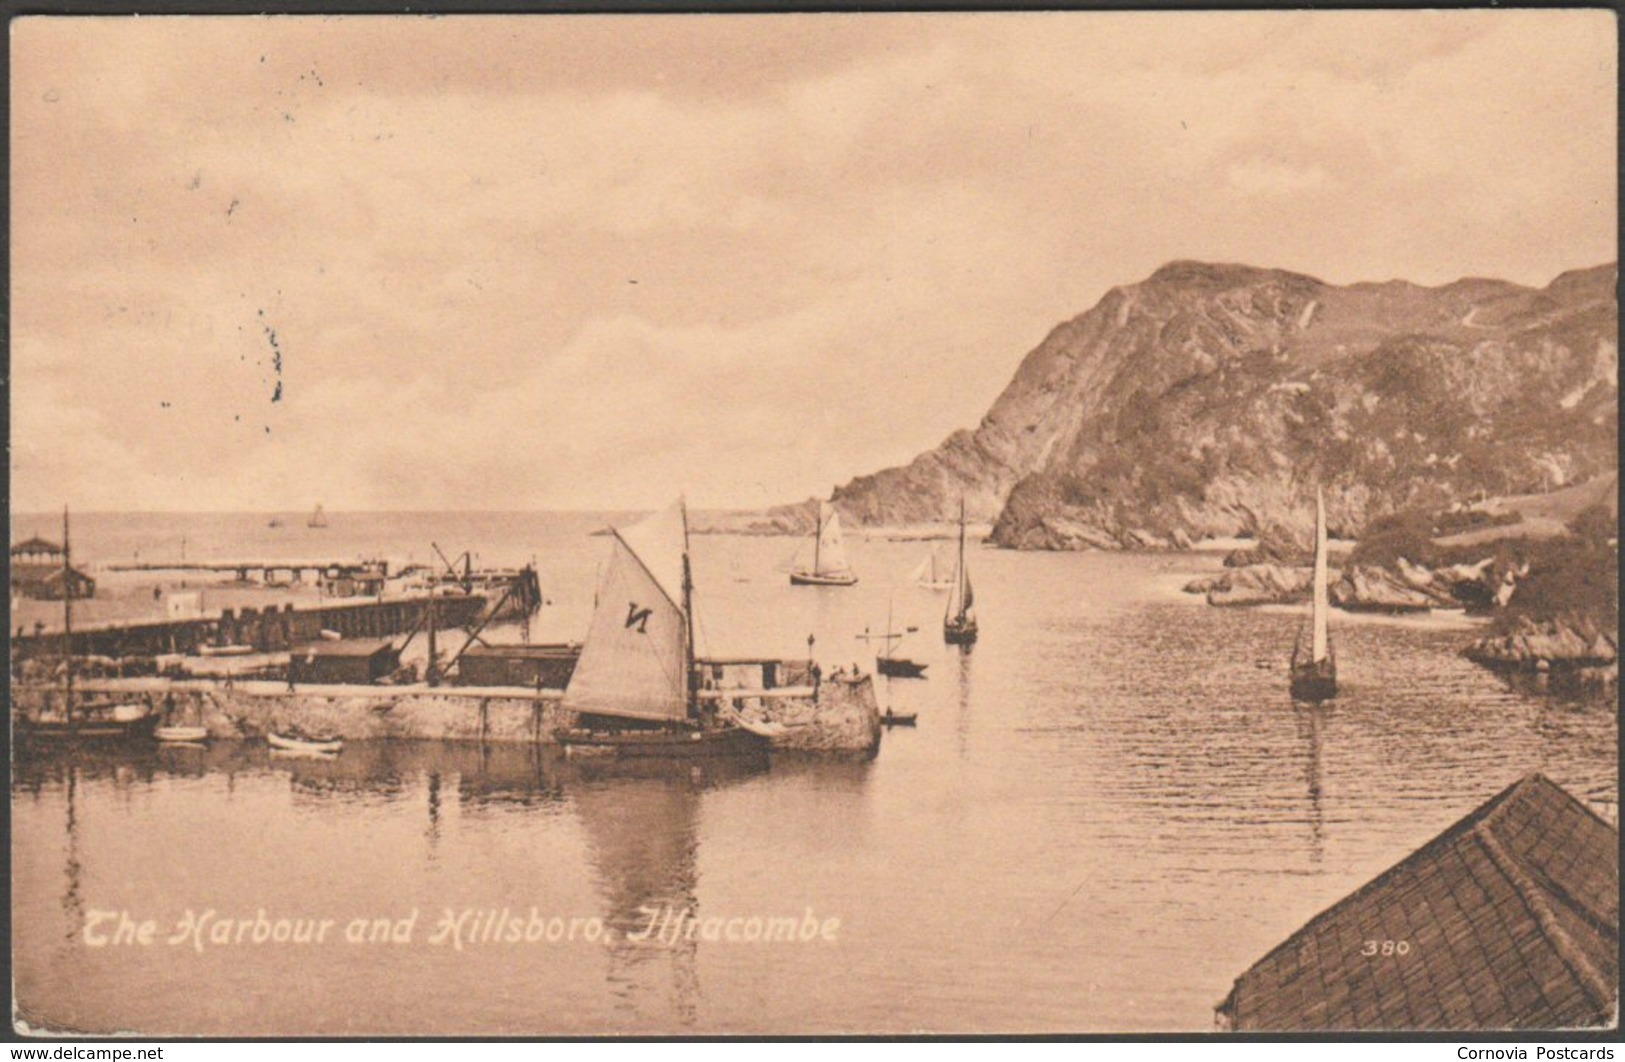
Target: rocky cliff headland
{"points": [[1205, 399]]}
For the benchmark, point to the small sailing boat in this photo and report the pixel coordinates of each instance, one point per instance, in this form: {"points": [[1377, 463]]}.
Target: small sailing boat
{"points": [[1314, 676], [317, 518], [887, 662], [959, 621], [892, 718], [829, 566], [81, 722], [276, 521], [932, 574], [636, 685]]}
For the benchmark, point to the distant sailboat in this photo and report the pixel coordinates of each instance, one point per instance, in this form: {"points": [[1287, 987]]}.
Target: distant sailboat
{"points": [[1314, 677], [932, 573], [959, 622], [829, 566], [317, 518], [276, 521], [637, 666]]}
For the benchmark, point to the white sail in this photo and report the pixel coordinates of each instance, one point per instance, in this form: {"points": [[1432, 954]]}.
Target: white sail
{"points": [[931, 572], [962, 602], [635, 660], [831, 548], [1322, 604]]}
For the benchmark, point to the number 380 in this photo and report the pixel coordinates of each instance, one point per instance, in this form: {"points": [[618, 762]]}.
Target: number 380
{"points": [[1385, 947]]}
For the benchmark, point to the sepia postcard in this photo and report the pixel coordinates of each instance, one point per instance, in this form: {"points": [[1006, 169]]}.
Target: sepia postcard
{"points": [[814, 524]]}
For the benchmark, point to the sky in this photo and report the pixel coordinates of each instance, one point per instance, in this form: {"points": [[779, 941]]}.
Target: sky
{"points": [[587, 262]]}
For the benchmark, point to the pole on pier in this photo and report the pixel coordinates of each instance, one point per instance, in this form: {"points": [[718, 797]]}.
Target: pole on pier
{"points": [[67, 618], [431, 673]]}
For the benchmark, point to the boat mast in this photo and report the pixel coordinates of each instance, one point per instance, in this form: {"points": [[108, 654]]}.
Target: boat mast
{"points": [[67, 616], [691, 681], [1321, 641], [959, 574], [431, 674]]}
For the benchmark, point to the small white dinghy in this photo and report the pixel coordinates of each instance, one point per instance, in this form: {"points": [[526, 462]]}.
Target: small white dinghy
{"points": [[294, 740], [190, 735]]}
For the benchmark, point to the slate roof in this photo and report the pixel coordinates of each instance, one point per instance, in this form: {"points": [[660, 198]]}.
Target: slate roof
{"points": [[1511, 917], [36, 545]]}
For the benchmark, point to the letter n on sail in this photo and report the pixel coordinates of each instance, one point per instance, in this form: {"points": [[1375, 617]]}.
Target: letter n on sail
{"points": [[634, 662]]}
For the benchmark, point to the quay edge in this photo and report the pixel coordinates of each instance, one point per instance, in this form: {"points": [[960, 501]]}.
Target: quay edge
{"points": [[843, 718]]}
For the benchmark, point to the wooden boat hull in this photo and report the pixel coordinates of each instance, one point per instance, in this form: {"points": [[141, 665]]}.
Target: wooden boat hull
{"points": [[815, 579], [187, 734], [293, 743], [1314, 682], [636, 744], [897, 667], [899, 719], [959, 633], [95, 729]]}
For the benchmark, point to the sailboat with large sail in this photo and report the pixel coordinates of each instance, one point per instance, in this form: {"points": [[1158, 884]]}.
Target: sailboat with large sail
{"points": [[636, 687], [829, 564], [1314, 675], [932, 574], [317, 518], [959, 621]]}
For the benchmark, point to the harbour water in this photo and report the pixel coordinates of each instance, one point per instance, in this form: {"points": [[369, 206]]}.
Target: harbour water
{"points": [[1108, 810]]}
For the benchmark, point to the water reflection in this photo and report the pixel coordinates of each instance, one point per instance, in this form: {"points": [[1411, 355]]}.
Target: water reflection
{"points": [[641, 820], [1311, 727], [432, 833], [505, 776], [963, 678], [72, 905]]}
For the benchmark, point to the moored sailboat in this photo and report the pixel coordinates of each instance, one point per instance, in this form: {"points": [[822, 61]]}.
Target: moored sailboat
{"points": [[887, 662], [959, 621], [1314, 674], [635, 689], [79, 722], [317, 518], [829, 564]]}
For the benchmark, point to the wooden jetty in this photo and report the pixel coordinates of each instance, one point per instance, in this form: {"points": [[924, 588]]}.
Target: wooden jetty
{"points": [[296, 570], [268, 629]]}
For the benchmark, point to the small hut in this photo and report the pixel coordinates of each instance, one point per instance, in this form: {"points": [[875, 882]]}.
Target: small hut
{"points": [[1507, 920], [352, 661], [530, 666]]}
